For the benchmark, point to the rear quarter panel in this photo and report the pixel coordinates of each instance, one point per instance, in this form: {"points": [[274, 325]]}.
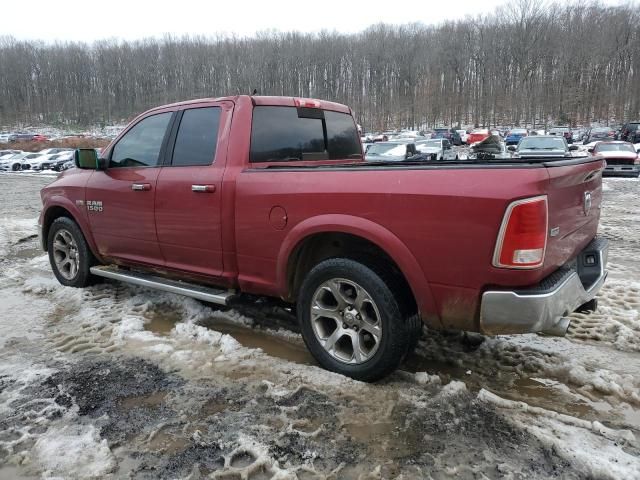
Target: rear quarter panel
{"points": [[448, 220]]}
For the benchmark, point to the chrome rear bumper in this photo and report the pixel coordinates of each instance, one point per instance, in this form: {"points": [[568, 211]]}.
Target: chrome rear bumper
{"points": [[544, 308]]}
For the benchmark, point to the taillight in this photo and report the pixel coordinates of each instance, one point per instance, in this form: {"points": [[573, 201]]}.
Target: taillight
{"points": [[307, 102], [522, 240]]}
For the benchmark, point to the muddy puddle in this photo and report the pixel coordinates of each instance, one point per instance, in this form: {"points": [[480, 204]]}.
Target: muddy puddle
{"points": [[162, 321], [550, 394]]}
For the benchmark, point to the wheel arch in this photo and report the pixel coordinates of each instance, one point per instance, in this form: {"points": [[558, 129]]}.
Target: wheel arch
{"points": [[62, 207], [311, 241]]}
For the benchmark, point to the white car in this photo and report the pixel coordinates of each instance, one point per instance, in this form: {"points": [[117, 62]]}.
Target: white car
{"points": [[32, 161], [463, 135], [8, 153], [439, 148], [11, 162], [49, 151]]}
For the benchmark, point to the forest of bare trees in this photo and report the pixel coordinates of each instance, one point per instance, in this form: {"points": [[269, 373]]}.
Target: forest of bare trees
{"points": [[526, 62]]}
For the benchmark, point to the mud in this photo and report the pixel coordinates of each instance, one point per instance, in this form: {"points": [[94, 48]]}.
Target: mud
{"points": [[121, 382]]}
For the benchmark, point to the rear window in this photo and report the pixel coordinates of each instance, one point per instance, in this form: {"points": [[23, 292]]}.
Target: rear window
{"points": [[280, 134]]}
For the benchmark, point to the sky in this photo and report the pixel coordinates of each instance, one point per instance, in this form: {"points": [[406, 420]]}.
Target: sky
{"points": [[132, 19]]}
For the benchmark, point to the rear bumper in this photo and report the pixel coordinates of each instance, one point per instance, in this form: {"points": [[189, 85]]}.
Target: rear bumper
{"points": [[543, 308]]}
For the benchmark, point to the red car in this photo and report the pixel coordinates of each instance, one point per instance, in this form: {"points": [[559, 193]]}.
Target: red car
{"points": [[622, 158], [40, 138], [271, 196], [478, 135]]}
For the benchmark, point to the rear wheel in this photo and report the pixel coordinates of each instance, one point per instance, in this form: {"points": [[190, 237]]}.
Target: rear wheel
{"points": [[69, 254], [352, 322], [15, 167]]}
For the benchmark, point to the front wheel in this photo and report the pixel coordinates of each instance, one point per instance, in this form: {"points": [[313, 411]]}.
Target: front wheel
{"points": [[16, 167], [69, 254], [352, 322]]}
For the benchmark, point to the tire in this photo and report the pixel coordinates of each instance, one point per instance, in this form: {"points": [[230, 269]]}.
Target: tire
{"points": [[379, 332], [16, 167], [67, 246]]}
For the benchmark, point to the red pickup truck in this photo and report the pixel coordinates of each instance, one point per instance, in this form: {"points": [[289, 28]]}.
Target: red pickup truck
{"points": [[271, 196]]}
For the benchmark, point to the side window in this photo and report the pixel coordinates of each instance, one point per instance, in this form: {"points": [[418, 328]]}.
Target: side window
{"points": [[197, 137], [140, 146], [342, 136], [278, 135]]}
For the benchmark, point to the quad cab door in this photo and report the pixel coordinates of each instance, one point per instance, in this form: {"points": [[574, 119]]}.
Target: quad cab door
{"points": [[120, 200], [188, 198]]}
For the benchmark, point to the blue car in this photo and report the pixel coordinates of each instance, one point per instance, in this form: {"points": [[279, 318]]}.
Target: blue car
{"points": [[515, 135]]}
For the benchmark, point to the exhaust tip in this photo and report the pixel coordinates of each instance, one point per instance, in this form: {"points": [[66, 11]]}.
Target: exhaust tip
{"points": [[559, 329]]}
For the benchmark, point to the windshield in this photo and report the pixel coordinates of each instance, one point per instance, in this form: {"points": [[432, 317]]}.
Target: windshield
{"points": [[615, 147], [541, 143], [558, 130], [601, 130], [517, 131], [390, 150]]}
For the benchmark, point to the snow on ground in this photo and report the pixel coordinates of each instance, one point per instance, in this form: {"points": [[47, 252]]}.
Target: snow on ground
{"points": [[118, 381]]}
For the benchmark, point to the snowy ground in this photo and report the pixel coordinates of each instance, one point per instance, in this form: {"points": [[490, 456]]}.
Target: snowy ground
{"points": [[121, 382]]}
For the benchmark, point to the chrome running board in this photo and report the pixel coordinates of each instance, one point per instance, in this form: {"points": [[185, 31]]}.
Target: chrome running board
{"points": [[207, 294]]}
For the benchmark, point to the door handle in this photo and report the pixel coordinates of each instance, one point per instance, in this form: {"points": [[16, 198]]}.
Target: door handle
{"points": [[203, 188], [140, 187]]}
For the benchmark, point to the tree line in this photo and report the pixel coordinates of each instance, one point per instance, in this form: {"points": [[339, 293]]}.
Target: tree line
{"points": [[526, 62]]}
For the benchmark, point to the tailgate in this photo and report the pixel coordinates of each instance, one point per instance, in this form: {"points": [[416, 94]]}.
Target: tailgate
{"points": [[575, 197]]}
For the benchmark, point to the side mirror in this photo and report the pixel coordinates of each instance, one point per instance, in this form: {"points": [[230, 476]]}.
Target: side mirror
{"points": [[511, 148], [638, 150], [590, 150], [573, 147], [86, 158]]}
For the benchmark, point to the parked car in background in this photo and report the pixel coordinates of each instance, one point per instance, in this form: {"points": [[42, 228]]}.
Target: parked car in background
{"points": [[11, 162], [578, 134], [49, 151], [463, 135], [5, 137], [477, 135], [40, 138], [7, 153], [450, 134], [32, 159], [543, 146], [630, 132], [597, 134], [389, 151], [438, 148], [21, 137], [622, 158], [563, 132], [57, 160], [490, 148], [515, 134]]}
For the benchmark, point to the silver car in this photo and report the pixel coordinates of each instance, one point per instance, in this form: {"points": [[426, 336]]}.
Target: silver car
{"points": [[438, 148]]}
